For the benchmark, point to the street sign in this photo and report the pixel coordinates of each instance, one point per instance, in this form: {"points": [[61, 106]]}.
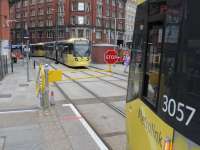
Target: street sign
{"points": [[111, 56]]}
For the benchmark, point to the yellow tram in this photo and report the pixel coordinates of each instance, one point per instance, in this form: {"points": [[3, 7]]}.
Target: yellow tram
{"points": [[164, 91], [74, 52], [37, 50]]}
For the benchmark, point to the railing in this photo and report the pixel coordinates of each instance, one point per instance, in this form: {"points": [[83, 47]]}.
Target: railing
{"points": [[3, 67]]}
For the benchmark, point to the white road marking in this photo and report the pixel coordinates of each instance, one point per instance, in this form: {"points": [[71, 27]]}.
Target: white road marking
{"points": [[18, 111], [92, 133]]}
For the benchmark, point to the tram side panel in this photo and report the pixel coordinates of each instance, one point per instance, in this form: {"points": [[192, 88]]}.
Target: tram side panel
{"points": [[155, 126]]}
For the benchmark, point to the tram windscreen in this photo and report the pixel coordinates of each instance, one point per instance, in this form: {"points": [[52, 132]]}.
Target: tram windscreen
{"points": [[38, 47], [81, 50]]}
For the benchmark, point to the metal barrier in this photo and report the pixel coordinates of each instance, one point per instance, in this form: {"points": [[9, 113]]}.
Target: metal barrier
{"points": [[3, 67]]}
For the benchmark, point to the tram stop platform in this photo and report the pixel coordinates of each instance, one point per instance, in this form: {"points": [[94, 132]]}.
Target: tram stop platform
{"points": [[24, 126]]}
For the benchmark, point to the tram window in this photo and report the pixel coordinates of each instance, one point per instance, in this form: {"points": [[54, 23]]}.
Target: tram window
{"points": [[70, 48], [191, 69], [171, 35], [66, 49], [135, 75], [153, 55]]}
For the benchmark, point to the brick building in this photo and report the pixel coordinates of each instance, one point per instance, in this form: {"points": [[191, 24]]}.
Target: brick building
{"points": [[47, 20], [131, 6], [4, 27]]}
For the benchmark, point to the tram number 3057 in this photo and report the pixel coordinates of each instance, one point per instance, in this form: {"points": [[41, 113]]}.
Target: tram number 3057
{"points": [[178, 110]]}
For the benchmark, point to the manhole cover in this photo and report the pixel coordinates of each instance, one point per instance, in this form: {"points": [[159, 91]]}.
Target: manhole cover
{"points": [[23, 85], [5, 95]]}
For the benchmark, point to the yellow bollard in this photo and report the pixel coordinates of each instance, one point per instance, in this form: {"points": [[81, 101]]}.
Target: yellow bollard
{"points": [[110, 68]]}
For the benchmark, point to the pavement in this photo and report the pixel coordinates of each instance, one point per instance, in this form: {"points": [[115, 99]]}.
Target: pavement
{"points": [[24, 126]]}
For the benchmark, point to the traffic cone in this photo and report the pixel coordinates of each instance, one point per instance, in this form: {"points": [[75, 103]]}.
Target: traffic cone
{"points": [[52, 100]]}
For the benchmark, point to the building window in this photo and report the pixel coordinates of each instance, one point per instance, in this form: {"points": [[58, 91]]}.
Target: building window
{"points": [[41, 11], [120, 14], [80, 33], [73, 20], [40, 1], [74, 6], [120, 26], [113, 14], [18, 15], [108, 2], [107, 11], [98, 35], [99, 10], [88, 34], [18, 35], [61, 21], [87, 7], [41, 23], [98, 22], [99, 2], [113, 2], [49, 10], [61, 34], [32, 24], [18, 25], [80, 20], [81, 6], [26, 3], [49, 34], [33, 13], [19, 4], [61, 9], [73, 33], [25, 14], [107, 24], [113, 24], [87, 20], [120, 4], [49, 23], [33, 1], [112, 35]]}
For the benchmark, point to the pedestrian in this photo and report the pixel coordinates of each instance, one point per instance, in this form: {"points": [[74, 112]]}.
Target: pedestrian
{"points": [[126, 62]]}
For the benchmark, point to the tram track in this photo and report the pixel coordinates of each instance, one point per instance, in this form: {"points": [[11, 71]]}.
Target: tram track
{"points": [[109, 72], [112, 72], [114, 108], [94, 94], [106, 81]]}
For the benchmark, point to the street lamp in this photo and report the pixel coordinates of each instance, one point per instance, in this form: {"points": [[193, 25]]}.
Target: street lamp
{"points": [[27, 50], [10, 21], [56, 33]]}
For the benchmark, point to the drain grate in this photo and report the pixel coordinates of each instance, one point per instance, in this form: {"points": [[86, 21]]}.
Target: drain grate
{"points": [[23, 85], [2, 142], [5, 95]]}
